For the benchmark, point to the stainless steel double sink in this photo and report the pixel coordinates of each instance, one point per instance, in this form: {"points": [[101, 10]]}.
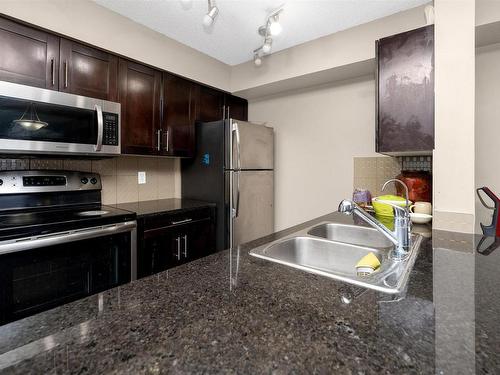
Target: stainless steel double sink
{"points": [[333, 249]]}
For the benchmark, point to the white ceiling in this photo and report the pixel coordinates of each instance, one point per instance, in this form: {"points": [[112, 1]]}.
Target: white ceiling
{"points": [[234, 35]]}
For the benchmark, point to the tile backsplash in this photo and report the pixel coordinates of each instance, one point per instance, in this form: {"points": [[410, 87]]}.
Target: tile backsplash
{"points": [[119, 175], [371, 173]]}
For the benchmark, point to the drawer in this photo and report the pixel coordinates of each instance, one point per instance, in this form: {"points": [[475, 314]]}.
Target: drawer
{"points": [[163, 220]]}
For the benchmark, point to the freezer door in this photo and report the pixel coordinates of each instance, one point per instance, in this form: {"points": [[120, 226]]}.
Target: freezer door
{"points": [[253, 205], [252, 145]]}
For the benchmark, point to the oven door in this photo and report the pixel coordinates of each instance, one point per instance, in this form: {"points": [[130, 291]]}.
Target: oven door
{"points": [[38, 121], [45, 272]]}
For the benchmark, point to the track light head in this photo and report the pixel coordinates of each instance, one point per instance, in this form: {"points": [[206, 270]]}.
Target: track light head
{"points": [[257, 60], [275, 27], [209, 18], [266, 47]]}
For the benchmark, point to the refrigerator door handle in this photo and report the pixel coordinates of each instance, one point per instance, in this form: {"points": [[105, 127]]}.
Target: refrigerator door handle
{"points": [[236, 132], [237, 206]]}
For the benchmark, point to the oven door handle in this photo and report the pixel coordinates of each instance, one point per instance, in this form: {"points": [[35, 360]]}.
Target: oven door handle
{"points": [[100, 127], [28, 243]]}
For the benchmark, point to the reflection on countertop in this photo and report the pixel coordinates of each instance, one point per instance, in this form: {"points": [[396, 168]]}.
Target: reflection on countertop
{"points": [[230, 312], [159, 206]]}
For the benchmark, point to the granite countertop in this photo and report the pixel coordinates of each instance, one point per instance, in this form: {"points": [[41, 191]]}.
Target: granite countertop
{"points": [[232, 313], [160, 206]]}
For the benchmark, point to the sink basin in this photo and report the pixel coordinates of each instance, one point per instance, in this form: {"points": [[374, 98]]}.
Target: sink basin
{"points": [[337, 253], [353, 234], [327, 256]]}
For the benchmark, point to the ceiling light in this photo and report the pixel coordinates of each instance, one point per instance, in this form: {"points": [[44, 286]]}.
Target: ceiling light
{"points": [[275, 27], [209, 18], [257, 59], [266, 48]]}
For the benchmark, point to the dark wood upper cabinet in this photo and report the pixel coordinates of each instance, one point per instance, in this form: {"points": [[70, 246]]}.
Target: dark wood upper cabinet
{"points": [[210, 105], [405, 93], [139, 93], [179, 97], [237, 108], [159, 109], [87, 71], [28, 56]]}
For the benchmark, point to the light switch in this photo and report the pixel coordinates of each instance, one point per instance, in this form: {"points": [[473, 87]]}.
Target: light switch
{"points": [[141, 177]]}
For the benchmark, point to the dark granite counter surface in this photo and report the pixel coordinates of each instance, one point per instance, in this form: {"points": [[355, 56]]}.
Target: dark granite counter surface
{"points": [[232, 313], [160, 206]]}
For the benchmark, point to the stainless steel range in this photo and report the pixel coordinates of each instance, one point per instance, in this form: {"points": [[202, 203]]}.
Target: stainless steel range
{"points": [[57, 242]]}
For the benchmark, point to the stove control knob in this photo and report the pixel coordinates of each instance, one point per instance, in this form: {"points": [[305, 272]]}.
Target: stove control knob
{"points": [[84, 180], [93, 180]]}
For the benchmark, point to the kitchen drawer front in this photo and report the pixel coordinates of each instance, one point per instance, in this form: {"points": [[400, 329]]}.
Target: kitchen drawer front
{"points": [[175, 219]]}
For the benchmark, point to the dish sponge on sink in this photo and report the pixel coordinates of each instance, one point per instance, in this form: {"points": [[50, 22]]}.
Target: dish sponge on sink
{"points": [[368, 264]]}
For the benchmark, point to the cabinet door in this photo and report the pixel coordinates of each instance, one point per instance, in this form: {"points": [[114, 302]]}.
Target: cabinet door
{"points": [[156, 251], [210, 104], [139, 94], [28, 56], [405, 93], [236, 108], [199, 239], [87, 71], [179, 116]]}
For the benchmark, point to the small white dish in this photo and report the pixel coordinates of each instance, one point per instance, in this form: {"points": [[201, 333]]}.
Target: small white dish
{"points": [[420, 218]]}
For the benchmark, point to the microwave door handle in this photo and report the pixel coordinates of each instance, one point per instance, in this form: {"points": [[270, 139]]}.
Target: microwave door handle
{"points": [[100, 127]]}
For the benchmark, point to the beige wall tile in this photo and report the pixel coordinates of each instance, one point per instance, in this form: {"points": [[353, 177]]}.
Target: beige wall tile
{"points": [[127, 166], [14, 164], [46, 164], [127, 189], [105, 167], [77, 165], [119, 175], [108, 193]]}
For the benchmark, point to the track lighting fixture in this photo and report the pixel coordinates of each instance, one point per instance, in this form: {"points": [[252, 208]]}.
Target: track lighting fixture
{"points": [[271, 28], [212, 13]]}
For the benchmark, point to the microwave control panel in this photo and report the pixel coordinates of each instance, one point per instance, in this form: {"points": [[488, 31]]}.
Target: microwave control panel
{"points": [[111, 129]]}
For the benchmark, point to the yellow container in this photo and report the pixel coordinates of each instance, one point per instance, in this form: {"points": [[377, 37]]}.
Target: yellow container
{"points": [[382, 209]]}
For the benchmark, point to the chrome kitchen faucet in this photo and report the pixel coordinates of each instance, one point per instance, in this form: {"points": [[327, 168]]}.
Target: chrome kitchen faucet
{"points": [[401, 236]]}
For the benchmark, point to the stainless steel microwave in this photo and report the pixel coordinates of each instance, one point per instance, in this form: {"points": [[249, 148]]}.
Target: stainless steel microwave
{"points": [[40, 121]]}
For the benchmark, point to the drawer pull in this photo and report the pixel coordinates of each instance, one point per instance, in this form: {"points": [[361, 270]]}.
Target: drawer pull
{"points": [[181, 221]]}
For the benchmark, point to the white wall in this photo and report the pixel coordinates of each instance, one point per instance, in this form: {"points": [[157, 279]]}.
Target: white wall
{"points": [[89, 22], [453, 161], [487, 124], [317, 133]]}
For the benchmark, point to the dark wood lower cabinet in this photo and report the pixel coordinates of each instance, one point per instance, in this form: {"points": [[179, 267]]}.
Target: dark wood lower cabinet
{"points": [[178, 242]]}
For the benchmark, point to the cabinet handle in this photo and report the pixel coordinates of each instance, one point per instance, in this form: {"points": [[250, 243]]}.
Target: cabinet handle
{"points": [[185, 246], [167, 147], [65, 73], [178, 255], [181, 221], [53, 71], [158, 140]]}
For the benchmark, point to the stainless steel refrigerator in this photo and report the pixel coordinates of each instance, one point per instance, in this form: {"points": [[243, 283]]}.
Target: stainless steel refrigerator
{"points": [[234, 168]]}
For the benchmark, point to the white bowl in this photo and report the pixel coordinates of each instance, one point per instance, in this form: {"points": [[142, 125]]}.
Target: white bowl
{"points": [[420, 218]]}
